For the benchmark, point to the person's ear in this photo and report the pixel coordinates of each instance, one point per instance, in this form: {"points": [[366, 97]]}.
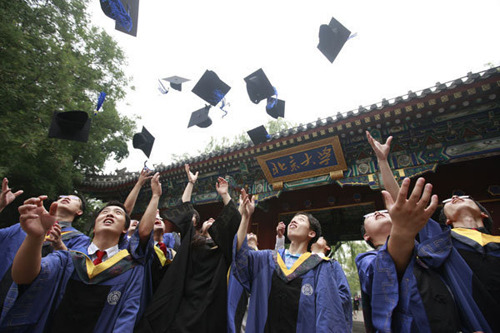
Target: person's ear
{"points": [[367, 238], [484, 215], [79, 212], [312, 234], [449, 222]]}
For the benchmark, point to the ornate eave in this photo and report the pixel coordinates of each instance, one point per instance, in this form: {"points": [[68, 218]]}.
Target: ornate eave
{"points": [[430, 126]]}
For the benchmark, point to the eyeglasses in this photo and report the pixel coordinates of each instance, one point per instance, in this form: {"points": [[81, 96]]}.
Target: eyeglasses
{"points": [[456, 197], [72, 197], [378, 211]]}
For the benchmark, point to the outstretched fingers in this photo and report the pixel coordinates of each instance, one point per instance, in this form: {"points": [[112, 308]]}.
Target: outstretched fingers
{"points": [[417, 190]]}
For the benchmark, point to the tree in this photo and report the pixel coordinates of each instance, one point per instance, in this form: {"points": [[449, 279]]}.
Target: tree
{"points": [[345, 255], [52, 59]]}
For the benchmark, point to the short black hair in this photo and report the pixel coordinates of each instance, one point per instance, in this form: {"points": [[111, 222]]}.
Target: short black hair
{"points": [[363, 232], [314, 225], [122, 206], [487, 221], [82, 205]]}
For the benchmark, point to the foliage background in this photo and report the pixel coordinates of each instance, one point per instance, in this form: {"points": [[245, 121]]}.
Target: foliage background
{"points": [[53, 59]]}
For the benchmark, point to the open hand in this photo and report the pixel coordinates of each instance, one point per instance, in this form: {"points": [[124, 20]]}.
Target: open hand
{"points": [[144, 176], [222, 186], [6, 197], [192, 178], [381, 150], [409, 216], [156, 185], [34, 218]]}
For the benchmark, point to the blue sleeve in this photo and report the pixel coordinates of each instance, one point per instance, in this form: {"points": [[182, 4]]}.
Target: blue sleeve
{"points": [[248, 263], [11, 239], [379, 280], [344, 291], [31, 307]]}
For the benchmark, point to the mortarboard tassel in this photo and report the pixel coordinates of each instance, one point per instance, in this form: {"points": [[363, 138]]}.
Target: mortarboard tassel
{"points": [[271, 102], [100, 102], [219, 96], [162, 88]]}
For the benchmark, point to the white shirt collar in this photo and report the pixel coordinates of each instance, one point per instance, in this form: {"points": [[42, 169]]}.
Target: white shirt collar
{"points": [[92, 249]]}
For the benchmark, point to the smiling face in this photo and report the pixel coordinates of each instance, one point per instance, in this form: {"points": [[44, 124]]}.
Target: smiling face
{"points": [[111, 219], [299, 229], [377, 227]]}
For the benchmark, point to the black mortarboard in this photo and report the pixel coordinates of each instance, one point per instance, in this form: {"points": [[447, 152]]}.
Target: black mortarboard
{"points": [[143, 141], [210, 88], [258, 86], [258, 135], [70, 125], [200, 118], [176, 82], [132, 9], [332, 38], [275, 108], [124, 12]]}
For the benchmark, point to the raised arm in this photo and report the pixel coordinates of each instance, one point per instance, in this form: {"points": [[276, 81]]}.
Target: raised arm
{"points": [[192, 178], [35, 221], [132, 196], [382, 152], [6, 197], [247, 211], [408, 216], [280, 238], [148, 218], [223, 189]]}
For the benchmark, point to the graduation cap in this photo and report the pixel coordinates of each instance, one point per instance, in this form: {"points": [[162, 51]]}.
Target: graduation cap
{"points": [[143, 141], [132, 8], [176, 82], [258, 86], [70, 125], [275, 108], [200, 118], [124, 12], [258, 135], [332, 38], [210, 88]]}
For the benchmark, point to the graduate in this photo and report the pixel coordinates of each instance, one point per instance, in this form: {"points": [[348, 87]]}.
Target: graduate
{"points": [[61, 236], [413, 305], [399, 292], [238, 299], [294, 290], [470, 234], [98, 290], [192, 296]]}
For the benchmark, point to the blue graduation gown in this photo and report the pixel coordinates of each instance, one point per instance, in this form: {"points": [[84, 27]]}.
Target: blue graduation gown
{"points": [[237, 302], [11, 239], [478, 313], [41, 304], [322, 306], [394, 306]]}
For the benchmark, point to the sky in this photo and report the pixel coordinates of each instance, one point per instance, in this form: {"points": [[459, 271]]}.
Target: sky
{"points": [[400, 46]]}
